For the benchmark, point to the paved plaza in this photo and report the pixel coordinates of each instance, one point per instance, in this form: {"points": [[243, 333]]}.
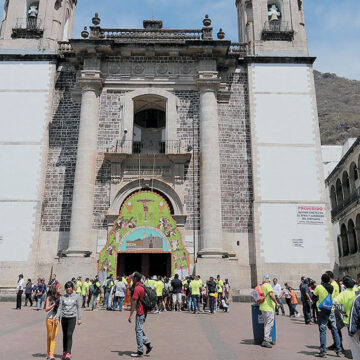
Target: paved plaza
{"points": [[108, 335]]}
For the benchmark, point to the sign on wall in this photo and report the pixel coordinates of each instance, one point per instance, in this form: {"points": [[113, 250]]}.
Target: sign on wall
{"points": [[311, 215]]}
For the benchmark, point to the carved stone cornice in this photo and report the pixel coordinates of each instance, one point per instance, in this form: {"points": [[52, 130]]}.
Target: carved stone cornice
{"points": [[208, 81]]}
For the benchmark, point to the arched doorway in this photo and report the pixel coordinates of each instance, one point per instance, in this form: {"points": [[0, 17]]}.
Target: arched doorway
{"points": [[144, 238], [345, 241]]}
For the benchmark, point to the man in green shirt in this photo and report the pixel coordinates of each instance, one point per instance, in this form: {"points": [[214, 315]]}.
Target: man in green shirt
{"points": [[194, 287], [267, 309], [326, 318]]}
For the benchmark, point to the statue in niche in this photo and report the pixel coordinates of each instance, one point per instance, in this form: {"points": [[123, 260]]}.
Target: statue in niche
{"points": [[300, 3], [274, 13], [33, 12]]}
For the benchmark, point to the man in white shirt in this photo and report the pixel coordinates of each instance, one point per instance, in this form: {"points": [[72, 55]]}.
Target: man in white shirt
{"points": [[19, 290], [277, 292]]}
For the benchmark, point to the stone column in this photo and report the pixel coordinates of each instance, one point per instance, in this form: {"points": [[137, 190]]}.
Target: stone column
{"points": [[80, 243], [210, 187]]}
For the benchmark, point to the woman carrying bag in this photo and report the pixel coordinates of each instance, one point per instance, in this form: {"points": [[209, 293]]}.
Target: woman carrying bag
{"points": [[51, 306], [69, 309]]}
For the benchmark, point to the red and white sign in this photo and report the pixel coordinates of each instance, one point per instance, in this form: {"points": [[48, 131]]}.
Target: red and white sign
{"points": [[311, 215]]}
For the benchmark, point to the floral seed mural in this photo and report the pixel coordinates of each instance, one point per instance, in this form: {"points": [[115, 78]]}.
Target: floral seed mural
{"points": [[145, 224]]}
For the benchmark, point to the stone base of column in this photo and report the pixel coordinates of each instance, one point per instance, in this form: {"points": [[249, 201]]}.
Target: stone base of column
{"points": [[73, 266], [238, 274]]}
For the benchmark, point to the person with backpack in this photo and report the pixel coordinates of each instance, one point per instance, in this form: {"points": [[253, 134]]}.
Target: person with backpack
{"points": [[137, 305], [325, 318], [176, 285], [95, 289], [268, 303], [109, 283]]}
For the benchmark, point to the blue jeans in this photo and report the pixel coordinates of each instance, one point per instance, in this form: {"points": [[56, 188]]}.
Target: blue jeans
{"points": [[83, 302], [121, 298], [190, 303], [281, 306], [39, 300], [325, 320], [212, 303], [141, 338], [94, 301], [196, 300]]}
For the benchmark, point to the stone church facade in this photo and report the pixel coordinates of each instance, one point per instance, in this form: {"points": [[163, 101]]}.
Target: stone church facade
{"points": [[225, 133]]}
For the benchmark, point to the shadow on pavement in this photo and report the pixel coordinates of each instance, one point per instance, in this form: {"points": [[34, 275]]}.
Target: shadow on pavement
{"points": [[309, 353], [247, 342], [44, 356], [122, 353]]}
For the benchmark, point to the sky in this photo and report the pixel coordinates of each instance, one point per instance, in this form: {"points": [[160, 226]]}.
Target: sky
{"points": [[333, 26]]}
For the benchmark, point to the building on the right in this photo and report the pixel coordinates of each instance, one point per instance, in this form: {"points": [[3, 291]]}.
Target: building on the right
{"points": [[343, 184]]}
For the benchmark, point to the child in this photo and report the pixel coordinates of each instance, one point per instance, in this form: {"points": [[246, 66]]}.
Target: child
{"points": [[225, 304]]}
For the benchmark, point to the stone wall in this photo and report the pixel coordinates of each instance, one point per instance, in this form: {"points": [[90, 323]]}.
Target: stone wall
{"points": [[235, 156], [63, 138], [188, 132]]}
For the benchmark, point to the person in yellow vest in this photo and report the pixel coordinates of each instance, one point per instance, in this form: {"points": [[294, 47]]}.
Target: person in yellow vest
{"points": [[332, 318], [159, 288], [346, 299], [194, 287], [267, 309], [85, 291], [322, 292], [78, 286]]}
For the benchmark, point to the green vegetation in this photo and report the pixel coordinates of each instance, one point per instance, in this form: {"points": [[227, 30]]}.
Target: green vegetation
{"points": [[339, 108]]}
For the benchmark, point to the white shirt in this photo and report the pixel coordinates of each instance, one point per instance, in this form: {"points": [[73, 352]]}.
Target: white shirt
{"points": [[277, 289], [20, 285]]}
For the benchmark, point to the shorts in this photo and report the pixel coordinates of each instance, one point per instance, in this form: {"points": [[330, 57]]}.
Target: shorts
{"points": [[177, 298]]}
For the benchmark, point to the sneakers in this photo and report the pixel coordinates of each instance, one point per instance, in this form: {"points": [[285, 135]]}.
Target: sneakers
{"points": [[63, 356], [272, 342], [149, 347], [339, 354], [68, 356], [266, 344], [137, 354]]}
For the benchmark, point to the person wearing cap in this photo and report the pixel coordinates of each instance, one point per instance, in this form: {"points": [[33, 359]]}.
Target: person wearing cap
{"points": [[19, 290], [267, 309]]}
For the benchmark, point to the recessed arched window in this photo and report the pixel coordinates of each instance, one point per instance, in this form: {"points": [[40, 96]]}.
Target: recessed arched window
{"points": [[354, 177], [333, 197], [346, 185], [149, 124], [339, 192], [344, 240], [352, 237]]}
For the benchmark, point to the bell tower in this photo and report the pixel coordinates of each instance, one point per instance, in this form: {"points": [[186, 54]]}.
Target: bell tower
{"points": [[272, 27], [36, 24]]}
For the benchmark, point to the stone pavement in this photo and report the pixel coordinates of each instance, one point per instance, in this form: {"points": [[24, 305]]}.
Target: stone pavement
{"points": [[108, 335]]}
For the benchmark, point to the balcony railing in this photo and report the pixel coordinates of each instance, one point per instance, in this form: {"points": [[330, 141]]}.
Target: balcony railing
{"points": [[347, 202], [277, 30], [147, 148], [27, 28], [154, 34]]}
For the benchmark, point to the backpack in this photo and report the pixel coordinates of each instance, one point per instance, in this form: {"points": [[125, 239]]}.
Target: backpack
{"points": [[327, 304], [149, 300], [259, 295]]}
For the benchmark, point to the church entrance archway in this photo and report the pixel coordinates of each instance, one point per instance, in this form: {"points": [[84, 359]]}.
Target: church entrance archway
{"points": [[144, 238]]}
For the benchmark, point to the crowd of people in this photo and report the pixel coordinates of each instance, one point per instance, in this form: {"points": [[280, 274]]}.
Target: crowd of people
{"points": [[334, 304], [122, 293]]}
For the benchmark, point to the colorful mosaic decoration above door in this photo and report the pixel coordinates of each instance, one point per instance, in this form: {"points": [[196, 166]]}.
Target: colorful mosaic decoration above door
{"points": [[145, 224]]}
